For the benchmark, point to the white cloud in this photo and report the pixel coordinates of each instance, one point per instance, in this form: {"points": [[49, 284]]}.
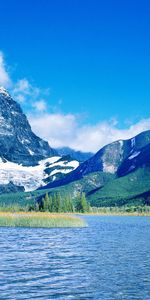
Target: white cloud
{"points": [[22, 86], [20, 98], [63, 130], [5, 80], [24, 92], [40, 105], [29, 95], [58, 129]]}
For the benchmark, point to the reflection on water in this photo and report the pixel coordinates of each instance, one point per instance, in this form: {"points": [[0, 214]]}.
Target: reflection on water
{"points": [[109, 260]]}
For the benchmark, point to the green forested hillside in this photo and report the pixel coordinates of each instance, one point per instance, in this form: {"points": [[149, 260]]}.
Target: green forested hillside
{"points": [[133, 188], [101, 189]]}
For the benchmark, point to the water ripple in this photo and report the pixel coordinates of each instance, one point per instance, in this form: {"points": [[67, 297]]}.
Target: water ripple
{"points": [[109, 260]]}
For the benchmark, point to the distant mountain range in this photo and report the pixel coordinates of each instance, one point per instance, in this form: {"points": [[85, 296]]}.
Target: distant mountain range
{"points": [[119, 158], [77, 155], [118, 172]]}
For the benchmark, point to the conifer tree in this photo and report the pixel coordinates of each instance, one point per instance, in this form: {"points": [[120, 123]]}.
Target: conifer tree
{"points": [[70, 204], [46, 203], [50, 204], [36, 206], [54, 203], [64, 205], [81, 204], [58, 202]]}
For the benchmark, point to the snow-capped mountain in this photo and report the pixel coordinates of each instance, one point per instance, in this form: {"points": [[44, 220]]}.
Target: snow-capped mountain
{"points": [[26, 161], [17, 141]]}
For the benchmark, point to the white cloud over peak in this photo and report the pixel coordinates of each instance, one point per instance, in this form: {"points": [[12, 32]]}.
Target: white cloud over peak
{"points": [[5, 80], [25, 92], [64, 130], [58, 129]]}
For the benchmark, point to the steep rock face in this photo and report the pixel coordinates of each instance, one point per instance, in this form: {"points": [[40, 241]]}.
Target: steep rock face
{"points": [[139, 158], [17, 141]]}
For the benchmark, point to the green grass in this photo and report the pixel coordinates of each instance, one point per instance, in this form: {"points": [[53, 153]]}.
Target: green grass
{"points": [[39, 219]]}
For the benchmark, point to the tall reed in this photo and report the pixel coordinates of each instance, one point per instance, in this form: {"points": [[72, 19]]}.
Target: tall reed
{"points": [[39, 219]]}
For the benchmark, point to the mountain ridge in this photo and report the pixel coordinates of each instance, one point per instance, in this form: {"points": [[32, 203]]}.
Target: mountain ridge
{"points": [[108, 159]]}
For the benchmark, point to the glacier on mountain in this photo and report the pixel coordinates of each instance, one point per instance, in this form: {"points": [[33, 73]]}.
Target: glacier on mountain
{"points": [[32, 177]]}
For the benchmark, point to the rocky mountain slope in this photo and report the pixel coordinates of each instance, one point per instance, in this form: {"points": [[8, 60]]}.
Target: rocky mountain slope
{"points": [[118, 174], [118, 158], [17, 141], [26, 161], [139, 158]]}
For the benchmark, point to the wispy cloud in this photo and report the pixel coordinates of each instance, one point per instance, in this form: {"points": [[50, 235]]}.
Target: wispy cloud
{"points": [[40, 105], [5, 80], [26, 93], [23, 90]]}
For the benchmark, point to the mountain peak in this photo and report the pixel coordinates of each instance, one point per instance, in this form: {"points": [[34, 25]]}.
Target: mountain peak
{"points": [[4, 92], [17, 141]]}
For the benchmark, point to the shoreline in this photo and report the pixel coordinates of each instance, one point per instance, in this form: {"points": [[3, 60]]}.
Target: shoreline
{"points": [[115, 214]]}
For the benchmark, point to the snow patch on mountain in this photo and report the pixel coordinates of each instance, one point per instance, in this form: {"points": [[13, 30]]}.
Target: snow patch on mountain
{"points": [[31, 152], [121, 143], [32, 177], [74, 164], [135, 154], [133, 142]]}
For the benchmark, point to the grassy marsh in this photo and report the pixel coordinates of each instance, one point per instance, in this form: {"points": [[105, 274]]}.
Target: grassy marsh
{"points": [[39, 219]]}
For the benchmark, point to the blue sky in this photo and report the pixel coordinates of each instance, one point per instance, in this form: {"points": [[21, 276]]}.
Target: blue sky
{"points": [[85, 64]]}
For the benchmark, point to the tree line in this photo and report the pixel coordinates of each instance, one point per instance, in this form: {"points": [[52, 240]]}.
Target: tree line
{"points": [[54, 203]]}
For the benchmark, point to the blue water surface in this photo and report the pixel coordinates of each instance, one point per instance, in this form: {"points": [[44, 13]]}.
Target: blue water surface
{"points": [[108, 260]]}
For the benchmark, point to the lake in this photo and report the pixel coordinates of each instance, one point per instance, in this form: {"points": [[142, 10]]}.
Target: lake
{"points": [[108, 260]]}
